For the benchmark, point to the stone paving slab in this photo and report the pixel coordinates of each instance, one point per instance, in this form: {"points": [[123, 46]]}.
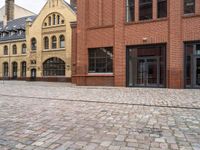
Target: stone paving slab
{"points": [[49, 121], [189, 98], [62, 125]]}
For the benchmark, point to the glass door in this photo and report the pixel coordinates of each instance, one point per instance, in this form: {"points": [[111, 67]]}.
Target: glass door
{"points": [[141, 72], [148, 72], [197, 71], [152, 74]]}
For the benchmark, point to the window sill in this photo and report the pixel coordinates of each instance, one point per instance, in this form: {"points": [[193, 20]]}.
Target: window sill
{"points": [[146, 21], [33, 51], [100, 74], [190, 15], [51, 50], [53, 26]]}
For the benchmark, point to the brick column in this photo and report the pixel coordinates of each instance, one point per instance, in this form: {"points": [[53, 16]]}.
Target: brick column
{"points": [[154, 9], [136, 10], [197, 6], [81, 64], [175, 53], [119, 46]]}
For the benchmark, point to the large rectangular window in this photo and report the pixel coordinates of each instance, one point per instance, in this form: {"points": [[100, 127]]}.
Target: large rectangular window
{"points": [[189, 6], [162, 8], [101, 60], [192, 65], [130, 10], [145, 8]]}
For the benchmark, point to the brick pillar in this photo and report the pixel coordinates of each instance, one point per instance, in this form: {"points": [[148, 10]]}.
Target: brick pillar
{"points": [[175, 60], [136, 10], [74, 51], [9, 9], [197, 6], [154, 9], [81, 64], [119, 45]]}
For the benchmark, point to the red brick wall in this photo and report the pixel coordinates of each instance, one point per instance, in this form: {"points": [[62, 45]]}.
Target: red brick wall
{"points": [[101, 23]]}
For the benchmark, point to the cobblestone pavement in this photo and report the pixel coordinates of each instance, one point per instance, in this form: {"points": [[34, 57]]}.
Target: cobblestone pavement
{"points": [[56, 116]]}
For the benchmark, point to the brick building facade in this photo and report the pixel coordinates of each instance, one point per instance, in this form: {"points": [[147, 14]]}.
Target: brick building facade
{"points": [[151, 43]]}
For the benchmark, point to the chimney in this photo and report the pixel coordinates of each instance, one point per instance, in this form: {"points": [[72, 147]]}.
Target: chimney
{"points": [[9, 9], [5, 21], [73, 3]]}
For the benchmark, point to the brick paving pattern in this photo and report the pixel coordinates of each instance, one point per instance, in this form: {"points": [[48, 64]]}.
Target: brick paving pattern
{"points": [[59, 116]]}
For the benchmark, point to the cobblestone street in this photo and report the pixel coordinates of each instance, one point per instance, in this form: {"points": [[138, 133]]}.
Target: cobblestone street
{"points": [[60, 116]]}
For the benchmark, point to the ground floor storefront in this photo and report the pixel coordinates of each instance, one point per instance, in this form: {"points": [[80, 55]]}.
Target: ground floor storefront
{"points": [[148, 65]]}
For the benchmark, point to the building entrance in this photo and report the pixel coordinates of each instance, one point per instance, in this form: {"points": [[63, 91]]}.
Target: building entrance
{"points": [[146, 66]]}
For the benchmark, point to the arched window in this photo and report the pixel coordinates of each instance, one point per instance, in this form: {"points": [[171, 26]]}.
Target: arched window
{"points": [[33, 44], [23, 48], [14, 70], [23, 69], [58, 19], [54, 19], [14, 49], [5, 50], [46, 43], [5, 69], [54, 42], [54, 67], [49, 20], [62, 41]]}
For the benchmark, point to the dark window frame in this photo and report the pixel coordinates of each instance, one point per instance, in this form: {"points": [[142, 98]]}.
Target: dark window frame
{"points": [[14, 49], [54, 42], [5, 69], [162, 12], [54, 19], [5, 50], [49, 20], [62, 41], [46, 42], [100, 64], [24, 48], [33, 44], [142, 9], [130, 10], [189, 9], [23, 69], [54, 67]]}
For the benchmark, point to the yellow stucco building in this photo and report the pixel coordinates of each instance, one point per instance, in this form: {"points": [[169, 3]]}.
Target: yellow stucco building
{"points": [[38, 47]]}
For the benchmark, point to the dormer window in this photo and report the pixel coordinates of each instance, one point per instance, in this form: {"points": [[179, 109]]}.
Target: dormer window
{"points": [[12, 33], [20, 32]]}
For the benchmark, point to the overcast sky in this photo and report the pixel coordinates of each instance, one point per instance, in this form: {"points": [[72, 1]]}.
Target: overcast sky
{"points": [[32, 5]]}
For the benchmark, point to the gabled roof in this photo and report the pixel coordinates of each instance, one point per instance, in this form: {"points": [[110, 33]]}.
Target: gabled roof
{"points": [[73, 8], [15, 25]]}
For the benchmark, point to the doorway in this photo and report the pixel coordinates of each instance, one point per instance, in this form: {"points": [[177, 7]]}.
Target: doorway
{"points": [[192, 65], [197, 71], [146, 66], [33, 74], [14, 70]]}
